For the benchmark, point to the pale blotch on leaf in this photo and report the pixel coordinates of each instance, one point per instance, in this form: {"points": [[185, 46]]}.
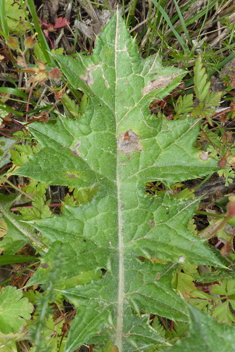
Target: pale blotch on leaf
{"points": [[181, 259], [204, 156], [72, 174], [151, 223], [158, 276], [75, 151], [3, 228], [87, 77], [160, 82], [129, 142], [44, 265]]}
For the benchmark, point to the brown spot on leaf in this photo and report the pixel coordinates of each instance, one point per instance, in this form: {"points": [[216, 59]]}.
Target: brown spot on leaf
{"points": [[160, 82], [151, 223], [158, 276], [44, 265], [222, 163], [71, 175], [114, 349], [75, 149], [130, 144], [126, 136]]}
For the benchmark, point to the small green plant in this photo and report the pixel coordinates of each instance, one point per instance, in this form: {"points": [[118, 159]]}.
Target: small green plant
{"points": [[224, 311], [206, 98], [15, 17], [22, 152]]}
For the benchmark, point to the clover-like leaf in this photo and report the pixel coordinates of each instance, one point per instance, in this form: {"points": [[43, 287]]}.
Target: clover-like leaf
{"points": [[14, 310]]}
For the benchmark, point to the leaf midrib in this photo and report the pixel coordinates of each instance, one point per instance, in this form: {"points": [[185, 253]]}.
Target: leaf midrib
{"points": [[120, 313]]}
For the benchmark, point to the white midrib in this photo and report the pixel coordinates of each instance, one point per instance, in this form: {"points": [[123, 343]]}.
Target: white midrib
{"points": [[120, 312]]}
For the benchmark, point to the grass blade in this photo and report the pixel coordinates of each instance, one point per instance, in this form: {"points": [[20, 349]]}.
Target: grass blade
{"points": [[166, 17]]}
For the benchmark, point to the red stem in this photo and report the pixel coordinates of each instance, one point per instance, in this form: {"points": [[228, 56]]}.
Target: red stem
{"points": [[4, 134], [29, 97], [52, 205]]}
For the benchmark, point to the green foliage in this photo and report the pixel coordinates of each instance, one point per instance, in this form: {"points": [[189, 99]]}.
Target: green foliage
{"points": [[179, 331], [206, 98], [159, 327], [183, 280], [5, 145], [32, 296], [9, 345], [76, 196], [18, 233], [71, 106], [14, 310], [40, 209], [43, 46], [39, 53], [36, 188], [22, 152], [202, 85], [216, 274], [43, 318], [15, 17], [224, 311], [52, 329], [205, 335], [9, 259], [52, 335], [229, 174], [184, 106], [74, 109], [218, 143]]}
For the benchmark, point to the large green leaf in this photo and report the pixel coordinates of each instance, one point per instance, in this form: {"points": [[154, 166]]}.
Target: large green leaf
{"points": [[116, 147]]}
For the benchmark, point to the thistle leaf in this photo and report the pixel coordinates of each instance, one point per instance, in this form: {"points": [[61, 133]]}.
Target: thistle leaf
{"points": [[115, 148]]}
